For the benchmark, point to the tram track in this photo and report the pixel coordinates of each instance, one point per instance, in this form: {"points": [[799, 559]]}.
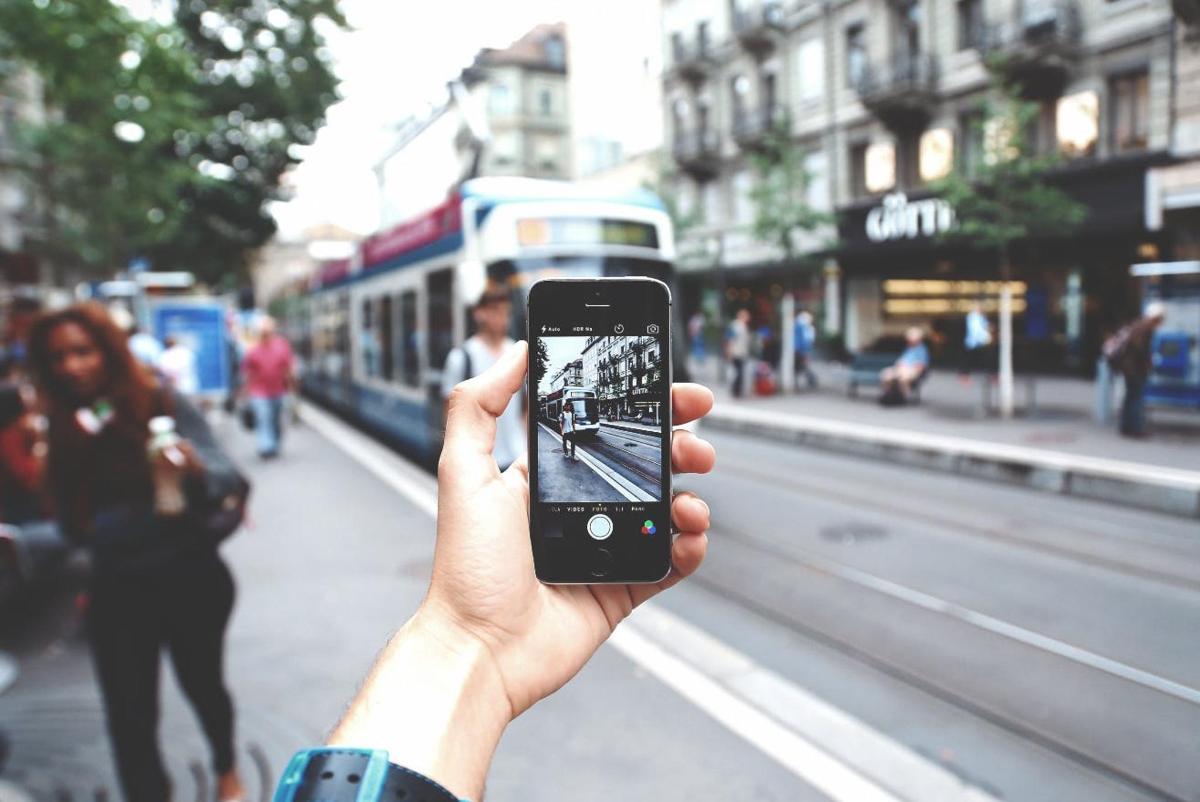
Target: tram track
{"points": [[956, 524], [644, 466], [759, 600]]}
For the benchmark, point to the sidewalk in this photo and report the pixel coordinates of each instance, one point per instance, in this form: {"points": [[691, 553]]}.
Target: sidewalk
{"points": [[1054, 444]]}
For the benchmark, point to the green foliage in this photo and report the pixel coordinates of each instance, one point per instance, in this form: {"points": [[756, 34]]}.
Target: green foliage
{"points": [[779, 195], [541, 360], [220, 97], [1006, 198]]}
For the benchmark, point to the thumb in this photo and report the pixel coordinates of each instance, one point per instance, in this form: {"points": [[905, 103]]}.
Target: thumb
{"points": [[476, 403]]}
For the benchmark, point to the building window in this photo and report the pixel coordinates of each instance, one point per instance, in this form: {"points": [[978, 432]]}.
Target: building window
{"points": [[556, 54], [500, 99], [816, 177], [858, 170], [970, 24], [1078, 124], [856, 54], [743, 205], [810, 65], [739, 90], [936, 154], [1129, 111], [880, 167], [702, 38], [545, 102], [970, 138]]}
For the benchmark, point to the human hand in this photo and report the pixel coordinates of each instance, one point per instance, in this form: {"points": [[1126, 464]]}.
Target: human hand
{"points": [[484, 588], [490, 640]]}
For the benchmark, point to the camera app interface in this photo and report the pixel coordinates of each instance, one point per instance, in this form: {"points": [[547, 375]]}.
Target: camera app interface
{"points": [[600, 427]]}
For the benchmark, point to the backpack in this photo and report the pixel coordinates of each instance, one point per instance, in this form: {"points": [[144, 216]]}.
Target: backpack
{"points": [[1116, 346]]}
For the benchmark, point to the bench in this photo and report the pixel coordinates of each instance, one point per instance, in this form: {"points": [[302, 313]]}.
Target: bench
{"points": [[865, 370]]}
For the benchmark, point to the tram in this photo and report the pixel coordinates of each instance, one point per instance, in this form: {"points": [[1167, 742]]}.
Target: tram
{"points": [[583, 401], [373, 331]]}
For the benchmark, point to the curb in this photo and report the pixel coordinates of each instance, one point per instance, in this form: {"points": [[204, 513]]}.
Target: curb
{"points": [[630, 427], [1149, 487]]}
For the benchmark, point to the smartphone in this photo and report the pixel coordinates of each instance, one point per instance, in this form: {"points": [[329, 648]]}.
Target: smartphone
{"points": [[600, 430]]}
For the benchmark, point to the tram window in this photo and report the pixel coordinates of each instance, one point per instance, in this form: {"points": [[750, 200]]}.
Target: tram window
{"points": [[439, 295], [386, 364], [409, 356], [366, 340]]}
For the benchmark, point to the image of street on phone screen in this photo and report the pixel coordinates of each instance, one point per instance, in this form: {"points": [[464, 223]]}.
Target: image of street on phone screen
{"points": [[599, 425]]}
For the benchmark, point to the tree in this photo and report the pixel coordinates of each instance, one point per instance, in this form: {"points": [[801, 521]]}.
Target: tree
{"points": [[541, 360], [167, 141], [264, 82], [780, 192], [115, 90], [1007, 201]]}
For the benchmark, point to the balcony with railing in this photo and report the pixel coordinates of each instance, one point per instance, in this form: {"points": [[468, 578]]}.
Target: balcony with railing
{"points": [[1037, 46], [697, 152], [901, 92], [757, 25], [751, 127], [691, 57]]}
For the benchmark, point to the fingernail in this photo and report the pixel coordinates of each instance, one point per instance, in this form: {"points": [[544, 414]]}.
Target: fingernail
{"points": [[703, 506]]}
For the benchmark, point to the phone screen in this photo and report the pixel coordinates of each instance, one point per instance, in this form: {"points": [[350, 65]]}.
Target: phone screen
{"points": [[600, 430]]}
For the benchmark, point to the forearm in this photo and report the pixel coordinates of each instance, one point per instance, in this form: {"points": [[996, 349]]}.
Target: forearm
{"points": [[435, 702]]}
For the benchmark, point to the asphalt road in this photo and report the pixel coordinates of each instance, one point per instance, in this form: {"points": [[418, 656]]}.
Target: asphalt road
{"points": [[1030, 646]]}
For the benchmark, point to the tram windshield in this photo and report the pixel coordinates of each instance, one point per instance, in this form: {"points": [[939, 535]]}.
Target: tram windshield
{"points": [[585, 409]]}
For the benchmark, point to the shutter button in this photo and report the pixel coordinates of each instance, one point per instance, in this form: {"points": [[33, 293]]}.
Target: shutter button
{"points": [[600, 526]]}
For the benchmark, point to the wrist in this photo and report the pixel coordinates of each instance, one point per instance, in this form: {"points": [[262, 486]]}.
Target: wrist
{"points": [[435, 702]]}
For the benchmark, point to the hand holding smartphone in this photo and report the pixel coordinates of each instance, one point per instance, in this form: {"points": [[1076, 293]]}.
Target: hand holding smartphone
{"points": [[599, 430]]}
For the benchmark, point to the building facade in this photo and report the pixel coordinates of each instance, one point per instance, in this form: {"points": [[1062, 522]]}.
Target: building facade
{"points": [[508, 116], [626, 372], [885, 97]]}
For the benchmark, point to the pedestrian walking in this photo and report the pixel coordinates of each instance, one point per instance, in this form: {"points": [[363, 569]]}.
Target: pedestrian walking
{"points": [[22, 455], [177, 364], [976, 340], [493, 318], [737, 348], [804, 341], [695, 330], [145, 347], [566, 428], [152, 518], [268, 373], [1129, 351]]}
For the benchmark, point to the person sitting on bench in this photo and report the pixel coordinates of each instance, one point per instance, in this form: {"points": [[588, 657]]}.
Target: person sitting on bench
{"points": [[899, 379]]}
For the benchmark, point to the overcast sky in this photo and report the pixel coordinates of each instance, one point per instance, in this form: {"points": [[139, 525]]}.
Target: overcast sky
{"points": [[561, 350], [393, 64]]}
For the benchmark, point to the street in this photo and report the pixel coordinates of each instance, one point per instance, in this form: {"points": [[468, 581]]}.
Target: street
{"points": [[622, 462], [1023, 646]]}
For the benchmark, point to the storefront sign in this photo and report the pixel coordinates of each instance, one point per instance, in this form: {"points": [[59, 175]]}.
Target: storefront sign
{"points": [[896, 218]]}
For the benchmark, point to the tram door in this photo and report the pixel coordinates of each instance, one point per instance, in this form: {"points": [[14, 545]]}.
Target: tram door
{"points": [[439, 339]]}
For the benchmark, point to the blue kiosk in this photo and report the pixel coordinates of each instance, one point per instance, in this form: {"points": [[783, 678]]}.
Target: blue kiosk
{"points": [[1175, 378]]}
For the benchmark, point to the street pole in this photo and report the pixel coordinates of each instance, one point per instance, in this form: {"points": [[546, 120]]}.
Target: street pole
{"points": [[787, 367], [1006, 338]]}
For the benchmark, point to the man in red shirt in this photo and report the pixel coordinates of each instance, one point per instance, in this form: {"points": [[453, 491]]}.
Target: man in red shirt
{"points": [[267, 369]]}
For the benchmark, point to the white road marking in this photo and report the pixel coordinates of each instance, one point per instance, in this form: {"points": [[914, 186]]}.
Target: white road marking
{"points": [[1004, 628], [622, 485], [772, 714], [410, 482]]}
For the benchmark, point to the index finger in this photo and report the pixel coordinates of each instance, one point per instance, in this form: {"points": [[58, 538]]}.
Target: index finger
{"points": [[690, 401]]}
